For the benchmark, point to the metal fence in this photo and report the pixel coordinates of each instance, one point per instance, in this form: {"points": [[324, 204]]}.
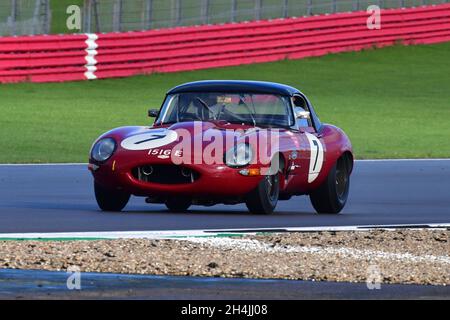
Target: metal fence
{"points": [[34, 16], [24, 17], [127, 15]]}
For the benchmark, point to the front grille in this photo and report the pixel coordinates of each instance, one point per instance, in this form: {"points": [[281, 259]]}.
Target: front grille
{"points": [[165, 174]]}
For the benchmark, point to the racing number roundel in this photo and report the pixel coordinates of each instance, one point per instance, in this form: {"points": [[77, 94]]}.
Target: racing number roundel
{"points": [[149, 140], [316, 158]]}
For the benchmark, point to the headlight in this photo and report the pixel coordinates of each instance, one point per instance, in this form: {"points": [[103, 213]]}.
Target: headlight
{"points": [[239, 155], [103, 149]]}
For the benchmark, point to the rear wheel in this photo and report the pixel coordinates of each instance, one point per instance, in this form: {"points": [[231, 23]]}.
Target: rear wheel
{"points": [[110, 200], [264, 198], [332, 195], [178, 204]]}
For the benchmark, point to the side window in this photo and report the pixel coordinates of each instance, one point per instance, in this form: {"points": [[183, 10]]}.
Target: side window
{"points": [[301, 105]]}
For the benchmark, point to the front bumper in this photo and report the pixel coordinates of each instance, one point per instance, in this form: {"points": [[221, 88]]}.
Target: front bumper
{"points": [[214, 180]]}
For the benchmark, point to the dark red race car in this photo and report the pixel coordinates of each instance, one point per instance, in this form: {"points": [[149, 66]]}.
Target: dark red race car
{"points": [[225, 142]]}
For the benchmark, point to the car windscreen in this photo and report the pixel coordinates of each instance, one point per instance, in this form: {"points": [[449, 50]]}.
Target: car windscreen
{"points": [[257, 109]]}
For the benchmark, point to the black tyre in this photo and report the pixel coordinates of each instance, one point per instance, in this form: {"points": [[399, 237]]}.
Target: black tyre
{"points": [[110, 200], [332, 195], [264, 198], [178, 204]]}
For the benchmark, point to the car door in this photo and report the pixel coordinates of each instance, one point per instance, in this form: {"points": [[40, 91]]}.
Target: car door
{"points": [[310, 156]]}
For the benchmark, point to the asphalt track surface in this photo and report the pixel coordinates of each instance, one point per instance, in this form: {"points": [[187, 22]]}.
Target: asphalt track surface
{"points": [[59, 198], [26, 284]]}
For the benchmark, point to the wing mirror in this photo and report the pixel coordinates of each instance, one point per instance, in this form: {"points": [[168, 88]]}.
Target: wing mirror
{"points": [[153, 113], [300, 113]]}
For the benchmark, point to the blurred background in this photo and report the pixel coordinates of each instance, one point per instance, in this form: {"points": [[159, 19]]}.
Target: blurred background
{"points": [[22, 17]]}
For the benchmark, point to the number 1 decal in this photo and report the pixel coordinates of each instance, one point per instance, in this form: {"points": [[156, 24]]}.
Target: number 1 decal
{"points": [[316, 158]]}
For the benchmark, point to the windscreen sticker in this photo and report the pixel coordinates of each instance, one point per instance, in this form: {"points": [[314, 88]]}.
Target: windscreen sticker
{"points": [[224, 99], [150, 140]]}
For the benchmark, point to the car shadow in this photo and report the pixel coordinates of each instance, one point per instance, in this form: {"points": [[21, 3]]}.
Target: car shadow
{"points": [[216, 212], [158, 209]]}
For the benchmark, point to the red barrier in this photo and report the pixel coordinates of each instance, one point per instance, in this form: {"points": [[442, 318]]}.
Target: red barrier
{"points": [[79, 57], [43, 58]]}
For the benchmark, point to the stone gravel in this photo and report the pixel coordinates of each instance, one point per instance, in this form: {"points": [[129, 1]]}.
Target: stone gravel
{"points": [[403, 256]]}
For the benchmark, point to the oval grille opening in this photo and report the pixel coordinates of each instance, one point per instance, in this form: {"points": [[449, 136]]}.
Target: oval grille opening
{"points": [[165, 174]]}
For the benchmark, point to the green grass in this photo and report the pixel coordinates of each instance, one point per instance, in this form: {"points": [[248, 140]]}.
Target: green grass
{"points": [[392, 102]]}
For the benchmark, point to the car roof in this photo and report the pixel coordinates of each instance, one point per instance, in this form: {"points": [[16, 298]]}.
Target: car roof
{"points": [[238, 86]]}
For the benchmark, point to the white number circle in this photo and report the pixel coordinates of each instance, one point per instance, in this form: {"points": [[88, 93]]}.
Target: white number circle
{"points": [[149, 140]]}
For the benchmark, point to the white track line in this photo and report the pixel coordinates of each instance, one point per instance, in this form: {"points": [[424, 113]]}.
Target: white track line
{"points": [[360, 227], [108, 235], [258, 246], [175, 234]]}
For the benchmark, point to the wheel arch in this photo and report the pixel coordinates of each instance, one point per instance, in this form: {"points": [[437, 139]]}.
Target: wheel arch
{"points": [[282, 161], [349, 159]]}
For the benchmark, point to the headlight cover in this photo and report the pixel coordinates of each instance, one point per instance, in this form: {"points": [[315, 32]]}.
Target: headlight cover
{"points": [[238, 156], [103, 149]]}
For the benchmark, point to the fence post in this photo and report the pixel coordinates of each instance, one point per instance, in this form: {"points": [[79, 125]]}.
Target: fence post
{"points": [[35, 19], [149, 10], [117, 16], [309, 8], [258, 8], [204, 11], [13, 17], [84, 16], [96, 15], [47, 17], [176, 12], [233, 10], [285, 8], [334, 6], [355, 6]]}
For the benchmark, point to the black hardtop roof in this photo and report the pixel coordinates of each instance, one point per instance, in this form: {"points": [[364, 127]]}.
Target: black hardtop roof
{"points": [[238, 86]]}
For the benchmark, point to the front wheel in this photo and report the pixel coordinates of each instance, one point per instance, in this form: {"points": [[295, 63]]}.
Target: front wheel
{"points": [[110, 200], [264, 198], [332, 195]]}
